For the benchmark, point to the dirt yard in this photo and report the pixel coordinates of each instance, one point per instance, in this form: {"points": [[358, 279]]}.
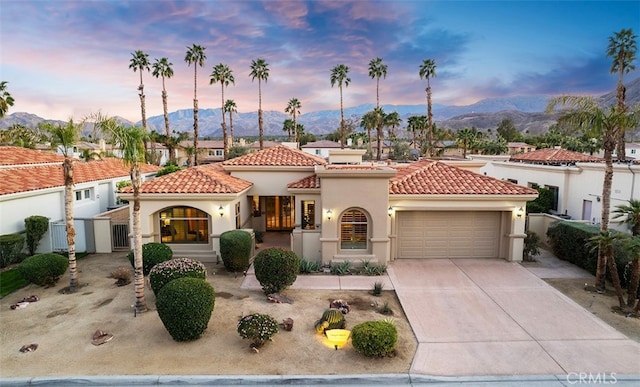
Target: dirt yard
{"points": [[62, 325]]}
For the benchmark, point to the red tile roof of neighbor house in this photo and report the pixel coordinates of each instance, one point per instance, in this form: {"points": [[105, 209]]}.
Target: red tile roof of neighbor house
{"points": [[203, 179], [280, 155], [435, 178], [312, 181], [17, 156], [24, 179], [554, 156]]}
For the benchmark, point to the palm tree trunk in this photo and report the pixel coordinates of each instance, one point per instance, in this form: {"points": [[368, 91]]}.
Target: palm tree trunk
{"points": [[615, 279], [430, 120], [260, 128], [634, 281], [620, 96], [136, 181], [295, 126], [71, 231], [609, 144], [231, 126], [224, 127], [341, 121], [195, 132], [167, 129]]}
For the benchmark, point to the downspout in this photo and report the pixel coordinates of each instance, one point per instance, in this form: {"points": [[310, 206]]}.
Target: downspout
{"points": [[633, 181]]}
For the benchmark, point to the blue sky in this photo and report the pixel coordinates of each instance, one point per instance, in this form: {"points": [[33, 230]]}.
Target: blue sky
{"points": [[65, 59]]}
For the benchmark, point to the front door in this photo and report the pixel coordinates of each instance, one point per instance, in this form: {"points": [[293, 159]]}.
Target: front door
{"points": [[279, 213]]}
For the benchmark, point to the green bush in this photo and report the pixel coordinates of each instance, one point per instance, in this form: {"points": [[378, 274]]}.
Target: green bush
{"points": [[531, 246], [167, 271], [276, 269], [43, 269], [185, 306], [235, 249], [167, 169], [35, 226], [258, 328], [309, 267], [375, 338], [10, 249], [152, 254]]}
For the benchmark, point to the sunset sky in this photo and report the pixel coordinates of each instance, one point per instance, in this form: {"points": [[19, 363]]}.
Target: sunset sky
{"points": [[65, 59]]}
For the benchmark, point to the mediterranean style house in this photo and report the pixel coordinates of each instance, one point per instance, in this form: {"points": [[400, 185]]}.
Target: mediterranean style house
{"points": [[338, 210]]}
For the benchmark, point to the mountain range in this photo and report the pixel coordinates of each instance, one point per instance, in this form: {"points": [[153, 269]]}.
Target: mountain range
{"points": [[526, 112]]}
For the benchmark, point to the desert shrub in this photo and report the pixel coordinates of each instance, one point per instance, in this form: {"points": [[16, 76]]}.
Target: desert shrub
{"points": [[370, 269], [258, 328], [531, 246], [331, 319], [43, 269], [122, 275], [35, 227], [308, 267], [375, 338], [10, 249], [235, 249], [152, 254], [185, 306], [276, 269], [343, 268], [376, 290], [167, 271]]}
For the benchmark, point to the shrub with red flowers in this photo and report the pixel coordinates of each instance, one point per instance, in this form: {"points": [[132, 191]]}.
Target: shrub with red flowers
{"points": [[167, 271]]}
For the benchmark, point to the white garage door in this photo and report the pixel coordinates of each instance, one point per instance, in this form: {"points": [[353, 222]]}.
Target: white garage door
{"points": [[448, 234]]}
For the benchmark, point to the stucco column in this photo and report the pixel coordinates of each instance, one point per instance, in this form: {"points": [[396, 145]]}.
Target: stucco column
{"points": [[516, 235]]}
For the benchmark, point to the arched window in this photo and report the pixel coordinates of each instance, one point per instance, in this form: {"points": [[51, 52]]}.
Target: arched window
{"points": [[184, 225], [353, 230]]}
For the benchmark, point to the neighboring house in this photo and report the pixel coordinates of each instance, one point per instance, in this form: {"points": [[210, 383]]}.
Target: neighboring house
{"points": [[336, 211], [160, 151], [320, 148], [520, 147], [91, 149], [33, 184], [449, 148], [575, 179], [387, 146], [631, 151], [208, 152]]}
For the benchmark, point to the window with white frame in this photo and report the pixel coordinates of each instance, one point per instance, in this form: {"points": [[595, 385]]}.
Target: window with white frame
{"points": [[84, 194]]}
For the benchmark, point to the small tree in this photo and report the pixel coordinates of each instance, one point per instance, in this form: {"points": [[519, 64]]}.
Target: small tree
{"points": [[36, 226]]}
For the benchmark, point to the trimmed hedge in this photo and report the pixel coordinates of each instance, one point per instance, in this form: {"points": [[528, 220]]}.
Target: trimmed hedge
{"points": [[43, 269], [185, 306], [276, 269], [152, 254], [375, 338], [167, 271], [235, 249], [11, 246], [35, 227]]}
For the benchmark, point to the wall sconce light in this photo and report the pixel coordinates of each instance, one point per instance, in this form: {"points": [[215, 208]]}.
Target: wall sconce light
{"points": [[390, 211], [329, 214], [520, 212], [221, 211]]}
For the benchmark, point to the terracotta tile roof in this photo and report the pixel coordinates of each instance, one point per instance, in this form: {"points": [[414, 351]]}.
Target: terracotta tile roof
{"points": [[307, 182], [49, 176], [554, 156], [207, 179], [322, 144], [15, 155], [435, 178], [279, 155], [265, 144]]}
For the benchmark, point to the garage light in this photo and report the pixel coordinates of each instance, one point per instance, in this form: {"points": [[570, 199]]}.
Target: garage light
{"points": [[221, 211], [329, 214], [520, 212], [390, 211]]}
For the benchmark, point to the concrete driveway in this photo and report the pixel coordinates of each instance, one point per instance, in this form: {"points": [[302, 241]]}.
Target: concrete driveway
{"points": [[492, 317]]}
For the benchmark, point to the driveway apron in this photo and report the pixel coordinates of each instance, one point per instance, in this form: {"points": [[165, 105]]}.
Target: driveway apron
{"points": [[477, 317]]}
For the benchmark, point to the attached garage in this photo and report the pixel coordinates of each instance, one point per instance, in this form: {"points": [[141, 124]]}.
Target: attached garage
{"points": [[448, 234]]}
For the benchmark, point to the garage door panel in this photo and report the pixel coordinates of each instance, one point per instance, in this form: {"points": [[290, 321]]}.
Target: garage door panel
{"points": [[442, 234]]}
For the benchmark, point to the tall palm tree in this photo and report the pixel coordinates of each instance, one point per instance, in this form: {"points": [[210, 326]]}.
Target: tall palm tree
{"points": [[196, 56], [339, 75], [130, 141], [392, 120], [260, 70], [428, 71], [466, 138], [631, 215], [369, 122], [584, 112], [65, 136], [140, 62], [293, 108], [162, 68], [230, 107], [223, 74], [287, 126], [377, 70], [622, 49], [6, 99]]}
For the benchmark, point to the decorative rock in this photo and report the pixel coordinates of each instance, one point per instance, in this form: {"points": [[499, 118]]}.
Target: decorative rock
{"points": [[29, 348], [287, 324], [341, 305], [279, 298], [100, 337]]}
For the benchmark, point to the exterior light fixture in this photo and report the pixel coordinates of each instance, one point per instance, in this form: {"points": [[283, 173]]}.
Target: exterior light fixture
{"points": [[390, 211], [221, 211], [520, 212], [329, 214]]}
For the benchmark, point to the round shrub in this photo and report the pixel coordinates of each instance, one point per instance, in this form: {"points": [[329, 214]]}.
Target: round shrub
{"points": [[152, 254], [43, 269], [185, 306], [235, 249], [167, 271], [375, 338], [258, 328], [276, 269], [11, 246]]}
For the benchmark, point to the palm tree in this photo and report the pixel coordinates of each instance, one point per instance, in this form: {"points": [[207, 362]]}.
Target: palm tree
{"points": [[260, 70], [140, 61], [196, 56], [162, 68], [230, 107], [604, 241], [6, 99], [339, 75], [369, 122], [622, 49], [428, 70], [631, 214], [223, 74], [287, 126], [376, 70], [466, 137], [392, 120], [584, 112], [293, 108], [130, 141], [65, 136]]}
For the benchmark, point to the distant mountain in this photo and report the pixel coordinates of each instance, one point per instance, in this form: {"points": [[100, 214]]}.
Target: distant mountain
{"points": [[525, 111]]}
